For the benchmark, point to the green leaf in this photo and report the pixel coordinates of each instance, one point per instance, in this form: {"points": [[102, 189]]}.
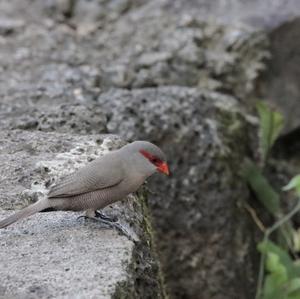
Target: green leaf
{"points": [[294, 285], [271, 124], [277, 277], [293, 288], [271, 289], [293, 270], [293, 184], [282, 280], [262, 188], [296, 240], [274, 266]]}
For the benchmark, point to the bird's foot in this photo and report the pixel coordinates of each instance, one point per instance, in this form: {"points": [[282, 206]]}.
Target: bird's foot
{"points": [[102, 216], [91, 214], [110, 222], [117, 226]]}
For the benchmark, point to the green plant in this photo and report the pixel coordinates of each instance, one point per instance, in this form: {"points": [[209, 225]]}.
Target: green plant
{"points": [[285, 264], [271, 124], [283, 274], [279, 272]]}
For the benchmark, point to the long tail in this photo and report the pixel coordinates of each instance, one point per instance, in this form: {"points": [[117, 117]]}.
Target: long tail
{"points": [[26, 212]]}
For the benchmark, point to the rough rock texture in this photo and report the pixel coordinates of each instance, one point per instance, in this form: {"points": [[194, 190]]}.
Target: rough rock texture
{"points": [[55, 255], [53, 62], [256, 14], [280, 83], [196, 223], [187, 52], [174, 72], [65, 118]]}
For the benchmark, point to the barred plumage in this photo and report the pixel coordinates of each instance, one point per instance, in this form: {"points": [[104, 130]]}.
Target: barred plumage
{"points": [[107, 179]]}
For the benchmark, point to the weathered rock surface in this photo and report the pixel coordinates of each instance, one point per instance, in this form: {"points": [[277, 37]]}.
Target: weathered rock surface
{"points": [[99, 66], [55, 255], [279, 84], [257, 14], [198, 210], [64, 118], [144, 47]]}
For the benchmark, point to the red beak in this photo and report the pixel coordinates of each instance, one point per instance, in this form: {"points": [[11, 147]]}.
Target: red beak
{"points": [[164, 168]]}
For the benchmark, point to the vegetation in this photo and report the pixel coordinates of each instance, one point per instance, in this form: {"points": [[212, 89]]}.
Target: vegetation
{"points": [[279, 273]]}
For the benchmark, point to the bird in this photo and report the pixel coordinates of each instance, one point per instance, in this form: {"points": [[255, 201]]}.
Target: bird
{"points": [[105, 180]]}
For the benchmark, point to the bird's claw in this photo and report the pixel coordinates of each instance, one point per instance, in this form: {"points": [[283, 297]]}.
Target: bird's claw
{"points": [[102, 216], [112, 223]]}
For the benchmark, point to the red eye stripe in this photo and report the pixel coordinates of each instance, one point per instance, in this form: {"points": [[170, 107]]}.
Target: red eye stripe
{"points": [[151, 158], [161, 165]]}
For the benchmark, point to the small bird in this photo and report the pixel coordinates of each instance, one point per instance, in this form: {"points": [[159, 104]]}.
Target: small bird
{"points": [[107, 179]]}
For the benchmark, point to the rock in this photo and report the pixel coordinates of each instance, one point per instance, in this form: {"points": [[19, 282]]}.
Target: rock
{"points": [[206, 136], [141, 48], [278, 21], [279, 83], [10, 26], [253, 13], [74, 55], [55, 254], [188, 51], [101, 11], [65, 118]]}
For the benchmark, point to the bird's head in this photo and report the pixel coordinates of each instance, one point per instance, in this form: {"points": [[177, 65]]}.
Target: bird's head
{"points": [[152, 155]]}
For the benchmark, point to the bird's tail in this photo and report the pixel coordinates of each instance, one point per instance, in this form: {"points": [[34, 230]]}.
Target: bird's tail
{"points": [[26, 212]]}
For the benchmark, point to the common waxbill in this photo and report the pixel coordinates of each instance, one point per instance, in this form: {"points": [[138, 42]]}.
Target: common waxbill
{"points": [[105, 180]]}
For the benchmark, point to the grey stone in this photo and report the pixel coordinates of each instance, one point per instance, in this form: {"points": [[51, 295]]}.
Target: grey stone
{"points": [[81, 51], [55, 255], [10, 26], [141, 48], [258, 14], [197, 211], [101, 11], [35, 70], [279, 83], [65, 118], [141, 54]]}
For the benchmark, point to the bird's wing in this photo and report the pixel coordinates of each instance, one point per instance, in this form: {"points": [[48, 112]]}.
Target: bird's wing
{"points": [[102, 173]]}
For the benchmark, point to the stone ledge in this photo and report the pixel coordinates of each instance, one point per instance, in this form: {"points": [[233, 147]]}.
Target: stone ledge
{"points": [[55, 255]]}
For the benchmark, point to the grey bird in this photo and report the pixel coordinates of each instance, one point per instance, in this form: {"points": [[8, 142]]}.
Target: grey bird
{"points": [[108, 179]]}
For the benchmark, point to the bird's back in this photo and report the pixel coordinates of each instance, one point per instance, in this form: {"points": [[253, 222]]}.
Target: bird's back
{"points": [[102, 173]]}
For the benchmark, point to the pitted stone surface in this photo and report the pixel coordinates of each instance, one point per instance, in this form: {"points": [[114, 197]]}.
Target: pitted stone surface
{"points": [[55, 255], [196, 211], [183, 68]]}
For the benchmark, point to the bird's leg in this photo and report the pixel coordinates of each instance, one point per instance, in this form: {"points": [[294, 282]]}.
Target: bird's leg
{"points": [[89, 214], [110, 222], [98, 214]]}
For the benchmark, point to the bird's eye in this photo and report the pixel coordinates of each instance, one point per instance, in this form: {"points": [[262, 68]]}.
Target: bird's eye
{"points": [[155, 160]]}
